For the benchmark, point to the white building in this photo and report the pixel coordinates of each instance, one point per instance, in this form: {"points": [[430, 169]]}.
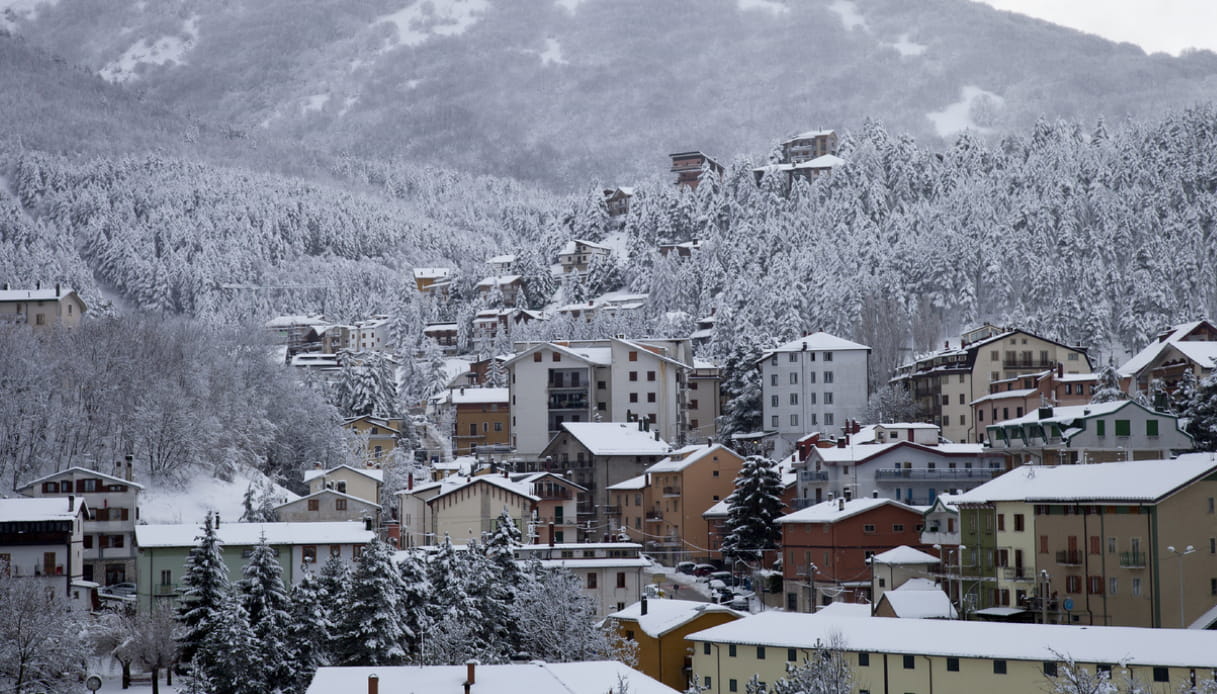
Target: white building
{"points": [[43, 538], [613, 380], [610, 572], [814, 383], [537, 677], [372, 334]]}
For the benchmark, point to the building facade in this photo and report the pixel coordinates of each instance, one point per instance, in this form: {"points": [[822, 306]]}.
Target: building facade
{"points": [[1095, 433], [43, 539], [41, 308]]}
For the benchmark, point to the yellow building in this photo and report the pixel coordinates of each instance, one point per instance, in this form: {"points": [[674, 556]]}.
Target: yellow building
{"points": [[364, 483], [377, 435], [659, 627], [461, 507], [929, 656]]}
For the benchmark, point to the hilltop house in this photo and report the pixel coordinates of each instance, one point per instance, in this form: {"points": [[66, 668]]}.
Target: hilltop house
{"points": [[688, 167], [1184, 347], [41, 308]]}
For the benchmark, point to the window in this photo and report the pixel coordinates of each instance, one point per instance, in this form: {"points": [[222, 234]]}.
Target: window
{"points": [[760, 652], [1112, 584], [774, 421], [946, 399], [310, 554], [1001, 522], [498, 426], [633, 356], [961, 400], [536, 356], [705, 648], [629, 634], [1049, 669], [1136, 587], [792, 654], [999, 667], [828, 356], [731, 650], [811, 377], [828, 377], [335, 551], [1123, 427], [340, 504], [1100, 427], [1043, 544], [1073, 584], [633, 375], [952, 664], [88, 542], [1018, 523], [166, 577], [1096, 545], [794, 420], [828, 400], [732, 686], [864, 660], [1162, 674], [794, 398], [633, 397], [869, 529], [910, 662], [39, 319], [897, 527], [706, 680], [555, 357], [1213, 586], [341, 486], [591, 579], [1151, 427], [773, 400], [794, 378], [650, 375], [773, 379], [650, 397], [620, 579], [794, 357], [1094, 585], [1111, 545]]}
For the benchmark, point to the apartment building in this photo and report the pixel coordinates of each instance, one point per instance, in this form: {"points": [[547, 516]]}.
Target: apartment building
{"points": [[108, 533], [920, 656], [378, 436], [946, 383], [613, 380], [1105, 544], [461, 507], [364, 483], [432, 280], [611, 572], [482, 418], [704, 400], [1092, 433], [576, 255], [327, 506], [815, 383], [555, 516], [41, 308], [688, 167], [43, 539]]}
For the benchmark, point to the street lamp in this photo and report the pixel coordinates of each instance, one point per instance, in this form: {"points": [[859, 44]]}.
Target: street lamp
{"points": [[1180, 555]]}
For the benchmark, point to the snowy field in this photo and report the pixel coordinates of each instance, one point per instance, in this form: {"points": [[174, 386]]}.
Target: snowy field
{"points": [[203, 494]]}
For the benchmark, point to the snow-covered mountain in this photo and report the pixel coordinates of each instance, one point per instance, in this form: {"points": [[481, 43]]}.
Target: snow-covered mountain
{"points": [[571, 91]]}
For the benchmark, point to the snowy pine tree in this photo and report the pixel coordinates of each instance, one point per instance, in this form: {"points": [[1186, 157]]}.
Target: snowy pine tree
{"points": [[415, 592], [558, 622], [370, 629], [825, 671], [753, 509], [229, 656], [205, 586], [1201, 414], [1108, 389], [266, 605], [1185, 392], [308, 635]]}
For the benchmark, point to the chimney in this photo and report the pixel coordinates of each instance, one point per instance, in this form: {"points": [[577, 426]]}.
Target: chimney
{"points": [[317, 465], [367, 524], [946, 344], [130, 465], [38, 284], [841, 443], [874, 494], [56, 290], [644, 606], [217, 520], [71, 501], [840, 504], [551, 533], [1060, 369], [656, 434], [471, 671], [373, 684], [410, 482]]}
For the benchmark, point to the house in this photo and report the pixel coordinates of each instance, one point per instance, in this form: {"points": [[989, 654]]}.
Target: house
{"points": [[704, 400], [962, 657], [617, 201], [298, 333], [41, 308], [555, 517], [1092, 433], [378, 434], [814, 383], [676, 491], [611, 572], [898, 566], [1010, 398], [688, 167], [917, 598], [1104, 534], [576, 255], [703, 329], [600, 454], [371, 335], [615, 380], [1184, 347], [914, 473], [461, 507], [683, 249], [482, 418], [827, 547], [432, 280], [628, 506], [328, 505], [363, 483], [659, 627], [508, 288], [502, 264], [490, 323], [946, 383], [807, 170], [810, 145], [44, 539], [300, 548], [536, 677], [610, 303], [444, 335], [108, 539]]}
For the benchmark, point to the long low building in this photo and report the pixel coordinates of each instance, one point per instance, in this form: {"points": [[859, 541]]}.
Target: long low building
{"points": [[589, 677], [924, 656]]}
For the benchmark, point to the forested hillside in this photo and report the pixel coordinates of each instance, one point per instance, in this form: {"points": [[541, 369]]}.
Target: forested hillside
{"points": [[573, 91]]}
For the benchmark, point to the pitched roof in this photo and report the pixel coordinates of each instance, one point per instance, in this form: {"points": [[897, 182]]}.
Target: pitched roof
{"points": [[329, 492], [588, 677], [682, 458], [479, 396], [1151, 351], [817, 341], [665, 615], [861, 453], [44, 294], [245, 534], [809, 135], [431, 272], [825, 161], [835, 510], [633, 483], [1131, 481], [973, 639], [616, 438], [51, 508], [916, 600], [75, 469], [454, 483], [373, 473], [904, 555]]}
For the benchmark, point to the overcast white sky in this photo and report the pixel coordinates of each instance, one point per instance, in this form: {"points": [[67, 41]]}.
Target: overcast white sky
{"points": [[1155, 25]]}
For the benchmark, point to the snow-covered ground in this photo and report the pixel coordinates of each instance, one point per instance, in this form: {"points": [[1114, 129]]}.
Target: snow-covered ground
{"points": [[961, 115], [191, 503], [167, 49], [421, 20]]}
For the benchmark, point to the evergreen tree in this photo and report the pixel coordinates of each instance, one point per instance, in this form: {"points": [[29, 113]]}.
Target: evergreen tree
{"points": [[1108, 387], [370, 629], [825, 671], [742, 388], [415, 596], [229, 656], [308, 635], [205, 585], [1185, 392], [753, 509], [558, 621], [266, 605], [1201, 414]]}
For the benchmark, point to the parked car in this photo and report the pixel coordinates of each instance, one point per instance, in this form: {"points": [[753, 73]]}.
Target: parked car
{"points": [[704, 570], [726, 577], [685, 567], [122, 590]]}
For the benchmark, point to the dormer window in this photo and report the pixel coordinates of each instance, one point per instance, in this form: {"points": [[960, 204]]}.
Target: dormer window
{"points": [[342, 486]]}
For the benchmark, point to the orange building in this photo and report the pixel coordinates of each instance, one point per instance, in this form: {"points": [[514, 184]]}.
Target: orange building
{"points": [[483, 418], [659, 627]]}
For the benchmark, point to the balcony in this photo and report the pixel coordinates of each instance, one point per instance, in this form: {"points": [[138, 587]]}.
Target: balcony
{"points": [[654, 516], [671, 491], [669, 541], [1036, 364], [1069, 557], [1016, 573], [611, 510], [813, 475], [938, 474], [1133, 560]]}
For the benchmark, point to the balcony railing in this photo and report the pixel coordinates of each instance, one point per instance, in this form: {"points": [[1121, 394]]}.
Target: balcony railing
{"points": [[1133, 560], [1027, 364], [654, 516], [1016, 573], [813, 475], [938, 474], [1069, 557], [611, 510], [671, 491]]}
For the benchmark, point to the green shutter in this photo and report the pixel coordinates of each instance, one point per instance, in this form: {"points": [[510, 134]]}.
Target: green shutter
{"points": [[1123, 427], [1151, 427], [1100, 427]]}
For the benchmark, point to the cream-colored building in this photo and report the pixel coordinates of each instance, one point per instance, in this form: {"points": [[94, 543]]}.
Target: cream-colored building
{"points": [[610, 572], [363, 483], [924, 656], [461, 508], [41, 308], [327, 505]]}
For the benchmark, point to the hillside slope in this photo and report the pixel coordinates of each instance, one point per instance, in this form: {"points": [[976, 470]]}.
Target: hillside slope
{"points": [[571, 91]]}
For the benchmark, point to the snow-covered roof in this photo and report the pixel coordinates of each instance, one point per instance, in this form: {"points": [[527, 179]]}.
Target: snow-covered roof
{"points": [[845, 609], [682, 458], [1151, 351], [974, 639], [665, 615], [816, 341], [572, 246], [718, 510], [79, 470], [699, 363], [52, 508], [440, 328], [616, 438], [599, 356], [1001, 394], [292, 321], [835, 510], [865, 451], [632, 484], [454, 483], [826, 161], [373, 473], [431, 273], [904, 555], [1065, 416], [1203, 353], [244, 534], [479, 396], [44, 294], [588, 677], [596, 563], [505, 259], [1131, 481], [920, 598], [500, 280], [329, 492], [810, 135]]}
